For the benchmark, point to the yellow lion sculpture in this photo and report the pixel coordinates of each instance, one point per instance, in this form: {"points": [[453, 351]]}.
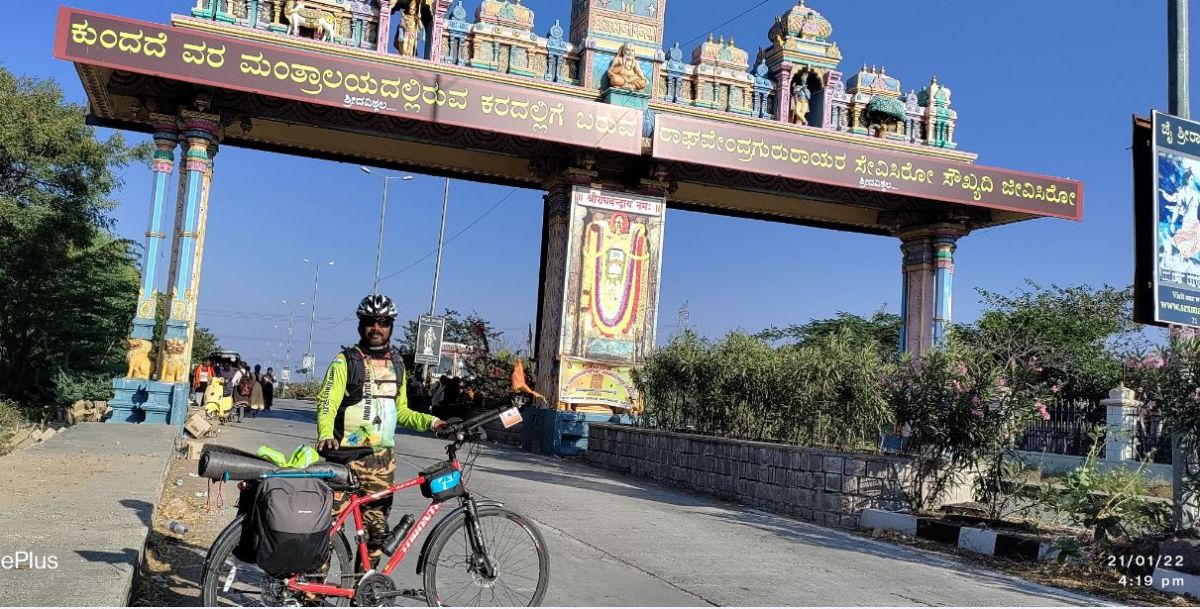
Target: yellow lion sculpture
{"points": [[175, 370], [138, 359]]}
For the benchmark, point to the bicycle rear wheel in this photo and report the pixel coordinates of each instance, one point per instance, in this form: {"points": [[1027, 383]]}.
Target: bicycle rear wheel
{"points": [[516, 549], [230, 582]]}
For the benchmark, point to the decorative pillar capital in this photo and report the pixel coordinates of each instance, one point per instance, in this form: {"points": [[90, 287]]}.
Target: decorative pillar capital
{"points": [[166, 137], [200, 131]]}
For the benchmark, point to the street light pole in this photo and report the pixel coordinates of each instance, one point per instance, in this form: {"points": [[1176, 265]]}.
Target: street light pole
{"points": [[1185, 504], [437, 269], [382, 216], [313, 319], [1177, 58], [287, 362]]}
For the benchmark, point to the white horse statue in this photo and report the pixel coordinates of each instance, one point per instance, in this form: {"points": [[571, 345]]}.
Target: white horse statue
{"points": [[294, 10]]}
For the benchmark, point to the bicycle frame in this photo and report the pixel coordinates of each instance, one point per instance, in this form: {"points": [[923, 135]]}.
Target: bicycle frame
{"points": [[354, 509]]}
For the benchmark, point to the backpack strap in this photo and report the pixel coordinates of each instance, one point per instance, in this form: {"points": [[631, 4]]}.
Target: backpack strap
{"points": [[356, 373], [401, 371]]}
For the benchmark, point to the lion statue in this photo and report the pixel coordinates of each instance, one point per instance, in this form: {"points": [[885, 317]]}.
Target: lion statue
{"points": [[175, 370], [138, 359]]}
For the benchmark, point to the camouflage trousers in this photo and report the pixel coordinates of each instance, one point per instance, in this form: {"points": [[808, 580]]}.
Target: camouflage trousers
{"points": [[375, 473]]}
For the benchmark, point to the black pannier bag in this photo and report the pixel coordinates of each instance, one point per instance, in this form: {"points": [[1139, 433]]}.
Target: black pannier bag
{"points": [[291, 521], [442, 481]]}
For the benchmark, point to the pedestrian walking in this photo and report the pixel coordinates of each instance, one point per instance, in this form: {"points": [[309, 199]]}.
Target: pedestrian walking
{"points": [[257, 402], [268, 387], [242, 387]]}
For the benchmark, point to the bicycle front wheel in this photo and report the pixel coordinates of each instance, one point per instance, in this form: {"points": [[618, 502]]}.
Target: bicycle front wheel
{"points": [[453, 574], [230, 582]]}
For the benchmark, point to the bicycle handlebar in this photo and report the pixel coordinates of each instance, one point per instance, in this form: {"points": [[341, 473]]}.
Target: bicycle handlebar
{"points": [[452, 430]]}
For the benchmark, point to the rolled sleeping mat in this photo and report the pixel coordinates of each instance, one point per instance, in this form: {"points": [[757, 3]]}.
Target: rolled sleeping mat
{"points": [[226, 449], [220, 465], [233, 465]]}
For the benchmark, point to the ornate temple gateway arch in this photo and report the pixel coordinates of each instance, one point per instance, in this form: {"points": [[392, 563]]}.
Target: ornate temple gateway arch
{"points": [[611, 124]]}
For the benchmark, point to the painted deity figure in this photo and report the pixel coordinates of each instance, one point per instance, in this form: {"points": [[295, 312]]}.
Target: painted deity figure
{"points": [[615, 260], [800, 97], [625, 72], [1187, 238], [429, 338], [409, 31]]}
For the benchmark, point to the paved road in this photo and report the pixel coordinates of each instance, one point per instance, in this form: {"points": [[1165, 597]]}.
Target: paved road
{"points": [[619, 541]]}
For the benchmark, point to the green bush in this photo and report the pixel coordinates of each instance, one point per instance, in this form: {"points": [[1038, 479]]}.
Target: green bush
{"points": [[826, 392], [303, 391], [10, 418], [965, 412]]}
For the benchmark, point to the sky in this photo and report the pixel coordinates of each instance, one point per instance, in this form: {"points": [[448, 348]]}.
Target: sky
{"points": [[1043, 87]]}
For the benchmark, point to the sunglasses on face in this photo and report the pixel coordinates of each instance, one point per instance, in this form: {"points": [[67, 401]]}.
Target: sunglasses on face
{"points": [[382, 322]]}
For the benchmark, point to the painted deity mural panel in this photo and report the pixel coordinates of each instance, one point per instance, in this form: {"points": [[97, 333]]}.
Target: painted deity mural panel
{"points": [[614, 259]]}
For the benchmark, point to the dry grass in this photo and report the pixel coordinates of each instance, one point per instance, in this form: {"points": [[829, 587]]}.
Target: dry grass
{"points": [[171, 571]]}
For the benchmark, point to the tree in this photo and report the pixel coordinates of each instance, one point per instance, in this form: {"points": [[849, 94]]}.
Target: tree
{"points": [[1068, 332], [472, 331], [882, 330], [67, 286], [488, 362], [204, 342]]}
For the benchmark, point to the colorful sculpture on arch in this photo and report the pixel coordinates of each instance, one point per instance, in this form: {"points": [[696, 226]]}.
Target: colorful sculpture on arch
{"points": [[624, 72], [618, 45]]}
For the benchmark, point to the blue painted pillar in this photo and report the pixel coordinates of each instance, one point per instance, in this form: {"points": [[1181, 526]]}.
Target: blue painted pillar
{"points": [[944, 243], [136, 397], [928, 281], [199, 132], [163, 165]]}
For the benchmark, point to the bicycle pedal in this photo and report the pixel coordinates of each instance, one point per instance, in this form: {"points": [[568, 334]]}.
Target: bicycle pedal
{"points": [[411, 593]]}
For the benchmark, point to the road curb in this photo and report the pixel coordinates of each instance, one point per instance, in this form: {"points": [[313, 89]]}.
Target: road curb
{"points": [[1166, 580], [979, 541]]}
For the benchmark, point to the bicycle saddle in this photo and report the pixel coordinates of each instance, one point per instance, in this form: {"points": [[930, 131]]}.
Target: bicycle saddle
{"points": [[345, 455]]}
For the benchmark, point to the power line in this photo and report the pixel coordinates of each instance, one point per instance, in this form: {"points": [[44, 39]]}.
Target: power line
{"points": [[731, 20], [251, 315], [511, 192], [507, 196]]}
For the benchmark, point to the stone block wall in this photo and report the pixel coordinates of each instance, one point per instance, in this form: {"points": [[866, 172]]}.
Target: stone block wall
{"points": [[496, 431], [826, 487]]}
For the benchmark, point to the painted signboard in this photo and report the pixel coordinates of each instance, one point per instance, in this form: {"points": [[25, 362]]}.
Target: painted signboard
{"points": [[803, 157], [431, 330], [276, 70], [1173, 231], [614, 261]]}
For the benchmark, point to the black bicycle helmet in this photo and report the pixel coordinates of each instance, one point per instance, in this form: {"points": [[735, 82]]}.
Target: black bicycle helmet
{"points": [[377, 305]]}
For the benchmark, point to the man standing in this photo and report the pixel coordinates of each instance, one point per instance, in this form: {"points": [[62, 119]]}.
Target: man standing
{"points": [[362, 400]]}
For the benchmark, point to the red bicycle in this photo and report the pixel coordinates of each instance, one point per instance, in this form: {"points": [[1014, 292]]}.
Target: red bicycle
{"points": [[481, 553]]}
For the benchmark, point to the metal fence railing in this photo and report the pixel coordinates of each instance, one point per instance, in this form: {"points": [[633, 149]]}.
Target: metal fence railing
{"points": [[1067, 431], [1152, 439]]}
